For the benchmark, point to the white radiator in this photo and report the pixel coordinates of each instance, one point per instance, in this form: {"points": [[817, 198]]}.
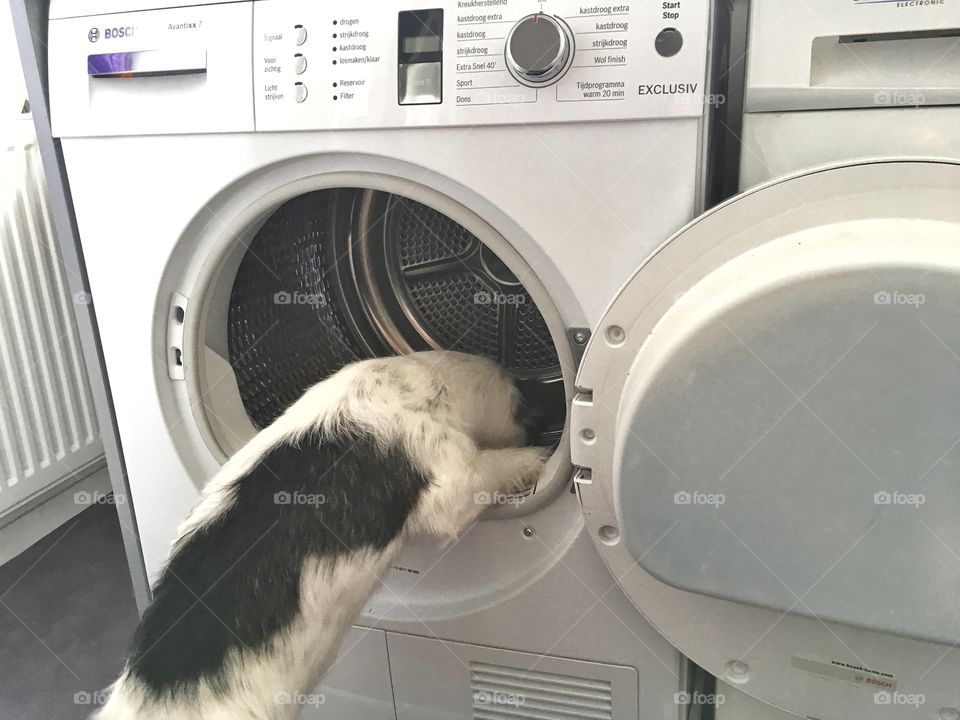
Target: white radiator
{"points": [[48, 429]]}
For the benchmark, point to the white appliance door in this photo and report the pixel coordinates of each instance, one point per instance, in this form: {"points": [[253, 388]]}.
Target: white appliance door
{"points": [[768, 431]]}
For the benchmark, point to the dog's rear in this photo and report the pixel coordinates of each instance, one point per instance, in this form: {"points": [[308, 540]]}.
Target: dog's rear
{"points": [[291, 537]]}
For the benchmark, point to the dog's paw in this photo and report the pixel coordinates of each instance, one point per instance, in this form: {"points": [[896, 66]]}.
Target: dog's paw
{"points": [[528, 467]]}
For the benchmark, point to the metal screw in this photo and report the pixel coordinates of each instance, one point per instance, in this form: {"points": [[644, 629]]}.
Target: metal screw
{"points": [[528, 532], [580, 337]]}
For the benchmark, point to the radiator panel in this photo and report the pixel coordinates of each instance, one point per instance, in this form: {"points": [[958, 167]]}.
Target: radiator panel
{"points": [[48, 427]]}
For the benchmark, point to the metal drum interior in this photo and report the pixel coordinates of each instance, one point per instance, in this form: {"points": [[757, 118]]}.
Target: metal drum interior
{"points": [[338, 275]]}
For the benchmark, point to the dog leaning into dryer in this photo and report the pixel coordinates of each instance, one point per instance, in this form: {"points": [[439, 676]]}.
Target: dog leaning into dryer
{"points": [[289, 539]]}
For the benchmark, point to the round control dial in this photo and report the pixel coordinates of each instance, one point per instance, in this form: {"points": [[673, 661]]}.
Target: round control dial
{"points": [[539, 50]]}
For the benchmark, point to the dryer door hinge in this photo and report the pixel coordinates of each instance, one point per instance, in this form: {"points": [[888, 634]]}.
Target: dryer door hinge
{"points": [[581, 476], [578, 339], [583, 437], [175, 321]]}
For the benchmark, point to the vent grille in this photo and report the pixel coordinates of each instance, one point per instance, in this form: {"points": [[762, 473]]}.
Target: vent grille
{"points": [[506, 693]]}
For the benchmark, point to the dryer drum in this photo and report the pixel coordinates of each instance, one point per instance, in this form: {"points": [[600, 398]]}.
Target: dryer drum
{"points": [[339, 275]]}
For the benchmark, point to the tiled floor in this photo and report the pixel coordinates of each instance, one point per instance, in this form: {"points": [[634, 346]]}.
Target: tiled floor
{"points": [[66, 615]]}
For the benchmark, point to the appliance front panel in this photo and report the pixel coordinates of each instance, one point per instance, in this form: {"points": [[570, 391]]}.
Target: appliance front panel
{"points": [[355, 67], [312, 66], [821, 54], [174, 70], [582, 245]]}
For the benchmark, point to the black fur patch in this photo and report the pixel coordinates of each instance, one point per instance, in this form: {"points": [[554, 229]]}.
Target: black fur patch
{"points": [[245, 566]]}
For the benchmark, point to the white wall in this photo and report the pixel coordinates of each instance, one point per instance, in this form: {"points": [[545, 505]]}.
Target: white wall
{"points": [[12, 90]]}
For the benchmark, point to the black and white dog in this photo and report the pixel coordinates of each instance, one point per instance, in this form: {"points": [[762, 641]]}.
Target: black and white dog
{"points": [[289, 539]]}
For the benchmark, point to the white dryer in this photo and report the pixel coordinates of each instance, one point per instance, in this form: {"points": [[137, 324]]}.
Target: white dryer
{"points": [[764, 429], [767, 419], [267, 190]]}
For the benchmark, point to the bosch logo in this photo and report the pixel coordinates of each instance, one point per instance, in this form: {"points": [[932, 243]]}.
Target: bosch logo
{"points": [[111, 33], [118, 32]]}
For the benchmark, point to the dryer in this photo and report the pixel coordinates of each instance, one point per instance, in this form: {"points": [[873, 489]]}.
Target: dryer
{"points": [[763, 427], [267, 190], [766, 418]]}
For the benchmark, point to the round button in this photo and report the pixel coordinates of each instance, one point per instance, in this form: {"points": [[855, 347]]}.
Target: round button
{"points": [[668, 42], [301, 92], [300, 64], [539, 50], [301, 34]]}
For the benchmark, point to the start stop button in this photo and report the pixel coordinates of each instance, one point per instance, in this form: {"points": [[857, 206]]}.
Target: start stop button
{"points": [[668, 42]]}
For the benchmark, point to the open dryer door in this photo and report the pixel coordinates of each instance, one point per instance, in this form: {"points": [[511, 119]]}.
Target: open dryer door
{"points": [[767, 427]]}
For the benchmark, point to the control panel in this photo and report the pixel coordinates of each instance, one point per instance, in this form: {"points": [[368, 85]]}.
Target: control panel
{"points": [[371, 64], [540, 49], [476, 62], [420, 57]]}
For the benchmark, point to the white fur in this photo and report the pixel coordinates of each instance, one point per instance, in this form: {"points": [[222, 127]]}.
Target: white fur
{"points": [[465, 442]]}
